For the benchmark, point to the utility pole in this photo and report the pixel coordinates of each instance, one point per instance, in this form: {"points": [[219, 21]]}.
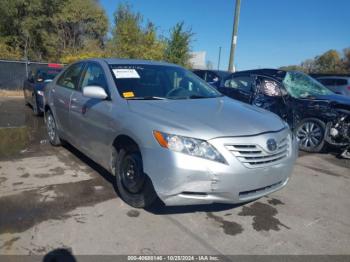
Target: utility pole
{"points": [[234, 36], [219, 58]]}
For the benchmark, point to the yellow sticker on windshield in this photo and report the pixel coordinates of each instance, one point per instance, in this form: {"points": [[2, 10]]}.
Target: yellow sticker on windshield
{"points": [[128, 94]]}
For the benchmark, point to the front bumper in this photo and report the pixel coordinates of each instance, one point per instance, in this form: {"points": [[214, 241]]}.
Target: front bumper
{"points": [[180, 179]]}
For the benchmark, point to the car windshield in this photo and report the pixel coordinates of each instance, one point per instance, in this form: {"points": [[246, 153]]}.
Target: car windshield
{"points": [[46, 74], [160, 82], [300, 85]]}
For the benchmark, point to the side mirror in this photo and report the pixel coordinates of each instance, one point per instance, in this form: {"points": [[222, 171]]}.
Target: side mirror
{"points": [[95, 92]]}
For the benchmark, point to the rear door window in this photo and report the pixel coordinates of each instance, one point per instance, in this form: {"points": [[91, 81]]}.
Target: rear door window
{"points": [[240, 82], [212, 77], [327, 81]]}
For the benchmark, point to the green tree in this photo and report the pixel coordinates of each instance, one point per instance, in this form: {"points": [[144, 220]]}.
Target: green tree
{"points": [[308, 66], [132, 40], [79, 22], [27, 26], [44, 29], [329, 62], [8, 52], [291, 68], [346, 60], [179, 45], [91, 49]]}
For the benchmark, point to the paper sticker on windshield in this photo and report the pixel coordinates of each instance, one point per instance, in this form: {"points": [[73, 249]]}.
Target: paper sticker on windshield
{"points": [[128, 94], [125, 73]]}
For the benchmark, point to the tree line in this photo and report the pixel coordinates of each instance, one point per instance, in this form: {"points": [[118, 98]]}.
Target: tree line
{"points": [[65, 31], [330, 62]]}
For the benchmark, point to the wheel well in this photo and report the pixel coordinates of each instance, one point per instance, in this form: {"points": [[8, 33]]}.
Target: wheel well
{"points": [[126, 143], [122, 142]]}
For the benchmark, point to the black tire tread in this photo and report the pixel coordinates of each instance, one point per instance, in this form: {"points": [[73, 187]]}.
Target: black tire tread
{"points": [[143, 199]]}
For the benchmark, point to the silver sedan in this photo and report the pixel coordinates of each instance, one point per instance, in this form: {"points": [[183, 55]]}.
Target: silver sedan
{"points": [[165, 133]]}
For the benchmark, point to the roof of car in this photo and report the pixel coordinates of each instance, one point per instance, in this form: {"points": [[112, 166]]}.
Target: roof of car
{"points": [[221, 73], [122, 61], [330, 75], [276, 73]]}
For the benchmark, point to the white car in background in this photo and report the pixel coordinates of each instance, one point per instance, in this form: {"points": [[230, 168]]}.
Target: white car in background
{"points": [[338, 84]]}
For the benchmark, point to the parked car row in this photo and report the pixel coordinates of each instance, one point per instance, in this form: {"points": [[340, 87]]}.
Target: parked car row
{"points": [[165, 133], [317, 115]]}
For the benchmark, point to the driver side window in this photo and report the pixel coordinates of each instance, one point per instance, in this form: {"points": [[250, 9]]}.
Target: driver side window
{"points": [[70, 79], [94, 76], [240, 82]]}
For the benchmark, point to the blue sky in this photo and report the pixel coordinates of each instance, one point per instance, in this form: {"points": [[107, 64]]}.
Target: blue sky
{"points": [[271, 33]]}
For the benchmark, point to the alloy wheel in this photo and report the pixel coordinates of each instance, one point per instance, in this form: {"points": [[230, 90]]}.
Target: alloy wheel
{"points": [[51, 127], [310, 134]]}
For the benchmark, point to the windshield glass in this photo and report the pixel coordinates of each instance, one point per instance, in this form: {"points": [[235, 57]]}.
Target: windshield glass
{"points": [[300, 85], [160, 82], [46, 74]]}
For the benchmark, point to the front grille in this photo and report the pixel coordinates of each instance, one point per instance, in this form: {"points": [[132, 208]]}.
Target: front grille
{"points": [[258, 191], [254, 155]]}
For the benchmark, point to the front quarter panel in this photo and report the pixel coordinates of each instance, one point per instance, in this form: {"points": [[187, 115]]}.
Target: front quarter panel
{"points": [[304, 108]]}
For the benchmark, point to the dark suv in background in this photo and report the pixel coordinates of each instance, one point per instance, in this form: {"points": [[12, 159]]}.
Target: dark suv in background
{"points": [[316, 114], [33, 87], [213, 77]]}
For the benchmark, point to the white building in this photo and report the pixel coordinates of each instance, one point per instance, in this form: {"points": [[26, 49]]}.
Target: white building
{"points": [[198, 59]]}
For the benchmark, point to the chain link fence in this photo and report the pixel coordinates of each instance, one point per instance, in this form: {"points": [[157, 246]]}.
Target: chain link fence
{"points": [[13, 73]]}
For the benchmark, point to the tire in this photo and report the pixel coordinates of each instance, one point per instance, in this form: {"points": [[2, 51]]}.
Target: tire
{"points": [[138, 190], [51, 127], [310, 133]]}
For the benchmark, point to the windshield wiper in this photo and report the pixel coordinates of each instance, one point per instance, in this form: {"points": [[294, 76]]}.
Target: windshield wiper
{"points": [[146, 98], [194, 97]]}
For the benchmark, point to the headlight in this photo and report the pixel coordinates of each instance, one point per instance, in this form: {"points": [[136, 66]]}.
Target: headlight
{"points": [[189, 146], [40, 92]]}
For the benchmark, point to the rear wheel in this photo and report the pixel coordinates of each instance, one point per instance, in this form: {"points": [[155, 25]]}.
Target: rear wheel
{"points": [[52, 129], [134, 186], [310, 134]]}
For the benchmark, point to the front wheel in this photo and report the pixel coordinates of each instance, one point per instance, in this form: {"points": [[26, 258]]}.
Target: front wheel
{"points": [[51, 127], [310, 134], [134, 186]]}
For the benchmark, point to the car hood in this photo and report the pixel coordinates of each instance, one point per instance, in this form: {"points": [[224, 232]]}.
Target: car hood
{"points": [[206, 118], [334, 98]]}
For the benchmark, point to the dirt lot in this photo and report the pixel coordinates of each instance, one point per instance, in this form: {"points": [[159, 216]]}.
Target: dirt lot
{"points": [[57, 198]]}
